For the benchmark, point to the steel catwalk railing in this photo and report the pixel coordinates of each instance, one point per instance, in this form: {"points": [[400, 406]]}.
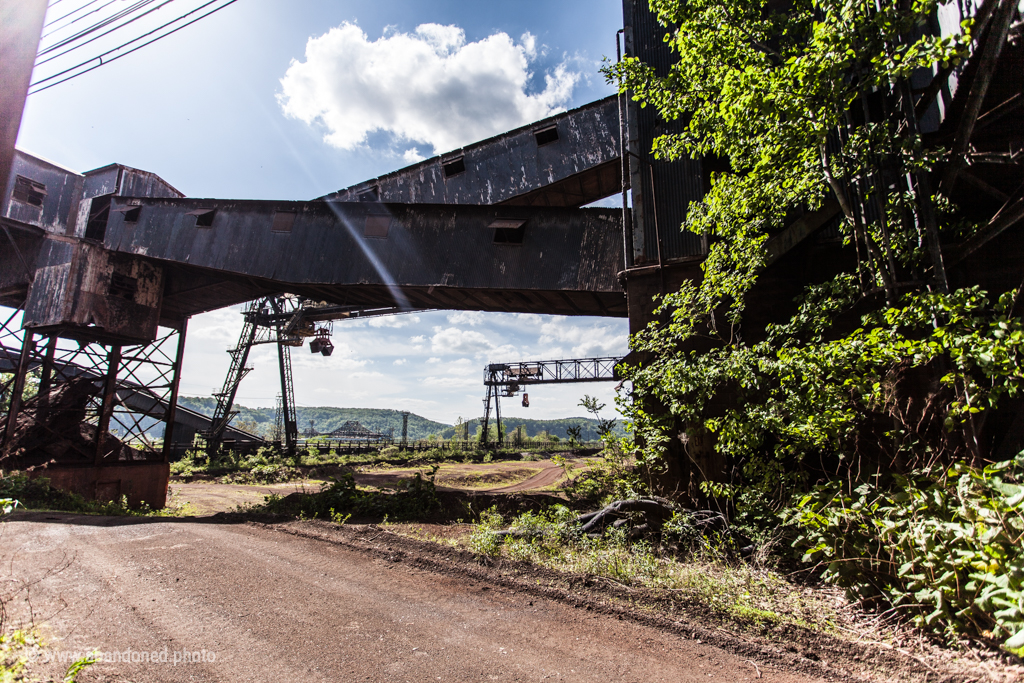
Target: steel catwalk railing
{"points": [[512, 376], [552, 371]]}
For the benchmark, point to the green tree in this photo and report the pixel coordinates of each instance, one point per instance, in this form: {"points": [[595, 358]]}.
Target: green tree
{"points": [[605, 427], [809, 107]]}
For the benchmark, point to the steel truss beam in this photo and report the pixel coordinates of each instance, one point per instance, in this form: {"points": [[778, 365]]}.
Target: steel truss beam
{"points": [[506, 379]]}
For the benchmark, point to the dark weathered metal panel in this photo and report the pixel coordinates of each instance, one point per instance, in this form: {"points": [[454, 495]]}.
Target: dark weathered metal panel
{"points": [[61, 188], [136, 183], [101, 294], [327, 243], [48, 294], [19, 250], [432, 251], [662, 191], [101, 181], [116, 179], [509, 165]]}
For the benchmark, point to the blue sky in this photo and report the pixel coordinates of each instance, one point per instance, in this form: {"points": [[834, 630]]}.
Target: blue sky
{"points": [[294, 99]]}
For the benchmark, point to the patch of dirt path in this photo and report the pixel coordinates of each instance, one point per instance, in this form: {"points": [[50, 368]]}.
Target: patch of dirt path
{"points": [[289, 603], [208, 498], [549, 475]]}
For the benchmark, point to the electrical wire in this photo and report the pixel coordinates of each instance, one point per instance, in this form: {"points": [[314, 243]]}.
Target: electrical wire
{"points": [[34, 86], [116, 28], [76, 11], [95, 27]]}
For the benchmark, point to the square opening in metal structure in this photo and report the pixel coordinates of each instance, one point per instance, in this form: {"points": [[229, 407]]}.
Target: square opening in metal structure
{"points": [[122, 286], [546, 136], [508, 230], [28, 191], [131, 213], [377, 225], [454, 166], [204, 217], [370, 195], [99, 212], [283, 221]]}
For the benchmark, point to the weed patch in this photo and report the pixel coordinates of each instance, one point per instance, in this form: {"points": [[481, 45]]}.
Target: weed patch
{"points": [[340, 498], [748, 592], [37, 494]]}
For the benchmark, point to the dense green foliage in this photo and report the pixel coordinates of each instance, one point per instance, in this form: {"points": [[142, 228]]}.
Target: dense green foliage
{"points": [[951, 548], [881, 382]]}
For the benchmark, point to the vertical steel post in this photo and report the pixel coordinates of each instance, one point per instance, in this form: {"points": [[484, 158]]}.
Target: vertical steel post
{"points": [[109, 398], [487, 417], [172, 402], [287, 397], [46, 379], [497, 418], [627, 215], [18, 388]]}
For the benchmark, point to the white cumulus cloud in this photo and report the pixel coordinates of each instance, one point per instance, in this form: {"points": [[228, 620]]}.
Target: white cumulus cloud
{"points": [[429, 86], [591, 340], [452, 340], [394, 321], [471, 318]]}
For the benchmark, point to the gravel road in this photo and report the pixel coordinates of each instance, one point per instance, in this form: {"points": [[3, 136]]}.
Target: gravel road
{"points": [[267, 605]]}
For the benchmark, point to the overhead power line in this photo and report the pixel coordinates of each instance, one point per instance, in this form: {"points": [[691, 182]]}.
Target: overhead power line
{"points": [[76, 11], [82, 34], [106, 58]]}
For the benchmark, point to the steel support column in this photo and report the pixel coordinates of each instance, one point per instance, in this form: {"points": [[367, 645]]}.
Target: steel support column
{"points": [[291, 428], [46, 379], [487, 415], [109, 398], [172, 402], [27, 351]]}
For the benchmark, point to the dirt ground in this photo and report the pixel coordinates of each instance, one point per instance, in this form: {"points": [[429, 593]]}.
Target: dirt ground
{"points": [[208, 498], [260, 599], [308, 602]]}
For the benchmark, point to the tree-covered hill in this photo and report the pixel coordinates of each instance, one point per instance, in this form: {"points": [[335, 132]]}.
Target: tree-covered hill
{"points": [[328, 419]]}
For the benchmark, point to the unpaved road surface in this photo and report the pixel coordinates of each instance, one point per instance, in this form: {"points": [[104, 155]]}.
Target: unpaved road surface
{"points": [[272, 605], [550, 474], [210, 497]]}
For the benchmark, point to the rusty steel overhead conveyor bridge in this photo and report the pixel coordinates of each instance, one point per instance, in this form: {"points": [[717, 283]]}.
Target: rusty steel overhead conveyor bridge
{"points": [[118, 259]]}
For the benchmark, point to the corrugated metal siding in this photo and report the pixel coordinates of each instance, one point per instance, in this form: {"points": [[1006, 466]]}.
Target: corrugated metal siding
{"points": [[675, 184], [427, 245], [136, 183], [62, 189], [509, 165]]}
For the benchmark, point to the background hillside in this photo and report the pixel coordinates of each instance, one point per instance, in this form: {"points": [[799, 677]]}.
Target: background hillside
{"points": [[328, 419]]}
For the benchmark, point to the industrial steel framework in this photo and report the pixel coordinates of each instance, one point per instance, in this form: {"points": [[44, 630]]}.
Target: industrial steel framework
{"points": [[118, 393], [507, 379], [276, 320], [353, 431], [286, 321]]}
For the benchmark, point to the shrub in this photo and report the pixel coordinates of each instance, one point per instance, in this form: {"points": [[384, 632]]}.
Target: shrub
{"points": [[948, 545]]}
